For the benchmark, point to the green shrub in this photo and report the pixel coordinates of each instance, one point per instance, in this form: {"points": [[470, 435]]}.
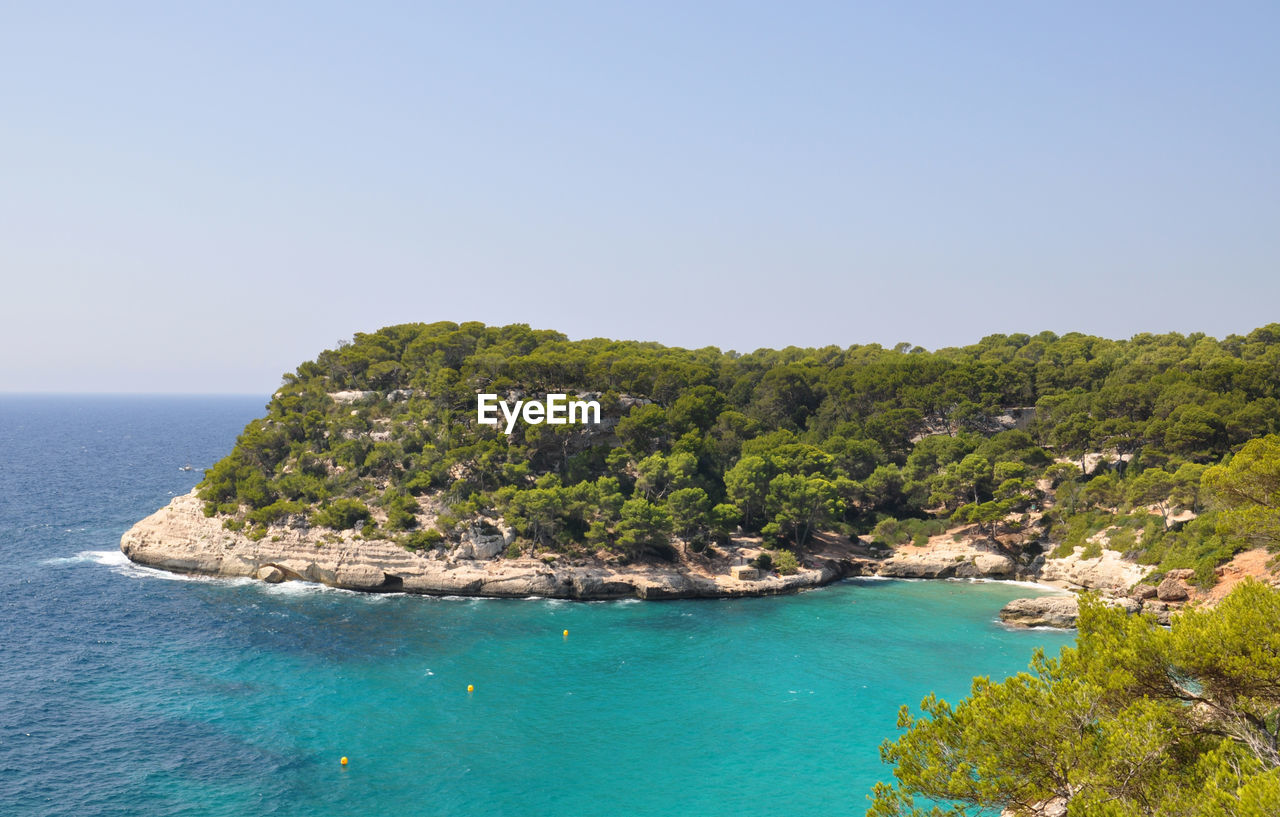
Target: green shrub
{"points": [[446, 522], [892, 531], [402, 511], [785, 562], [1123, 540], [763, 562], [1206, 572], [276, 511], [423, 539], [341, 514]]}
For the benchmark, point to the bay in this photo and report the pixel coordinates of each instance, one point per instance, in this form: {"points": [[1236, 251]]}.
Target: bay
{"points": [[127, 691]]}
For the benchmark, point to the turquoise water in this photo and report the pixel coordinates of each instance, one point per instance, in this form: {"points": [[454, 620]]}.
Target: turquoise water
{"points": [[127, 691]]}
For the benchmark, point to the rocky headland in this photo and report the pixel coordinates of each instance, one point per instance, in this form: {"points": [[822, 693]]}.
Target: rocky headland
{"points": [[180, 537], [380, 467]]}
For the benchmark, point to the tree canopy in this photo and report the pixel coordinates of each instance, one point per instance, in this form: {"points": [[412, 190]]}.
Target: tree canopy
{"points": [[1136, 720], [379, 434]]}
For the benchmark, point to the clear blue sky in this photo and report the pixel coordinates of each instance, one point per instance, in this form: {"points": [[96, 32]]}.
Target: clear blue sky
{"points": [[198, 199]]}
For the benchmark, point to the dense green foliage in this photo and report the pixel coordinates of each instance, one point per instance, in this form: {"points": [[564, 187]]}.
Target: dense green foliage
{"points": [[697, 443], [1247, 488], [1135, 720]]}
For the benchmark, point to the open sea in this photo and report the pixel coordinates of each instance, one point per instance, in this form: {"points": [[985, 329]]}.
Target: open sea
{"points": [[128, 691]]}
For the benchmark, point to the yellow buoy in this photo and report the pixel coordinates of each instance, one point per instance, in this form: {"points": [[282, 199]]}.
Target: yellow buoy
{"points": [[566, 632], [470, 688], [343, 761]]}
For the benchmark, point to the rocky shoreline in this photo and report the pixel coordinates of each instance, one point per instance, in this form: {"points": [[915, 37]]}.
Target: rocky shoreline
{"points": [[1160, 601], [181, 538]]}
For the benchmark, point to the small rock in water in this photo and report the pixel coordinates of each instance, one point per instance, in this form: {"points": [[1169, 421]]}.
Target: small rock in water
{"points": [[270, 574], [1042, 611]]}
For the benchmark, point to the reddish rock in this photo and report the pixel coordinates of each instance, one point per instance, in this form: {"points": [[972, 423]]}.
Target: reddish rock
{"points": [[1143, 591], [1173, 588]]}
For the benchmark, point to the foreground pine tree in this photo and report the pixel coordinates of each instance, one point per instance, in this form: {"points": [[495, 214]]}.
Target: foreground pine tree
{"points": [[1135, 720]]}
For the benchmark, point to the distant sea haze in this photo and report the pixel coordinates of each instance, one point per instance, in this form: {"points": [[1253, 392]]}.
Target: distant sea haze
{"points": [[131, 691]]}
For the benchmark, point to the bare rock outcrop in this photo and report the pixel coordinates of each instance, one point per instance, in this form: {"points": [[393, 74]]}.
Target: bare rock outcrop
{"points": [[1053, 807], [1142, 592], [1175, 586], [269, 574], [1056, 611], [1042, 611], [180, 538], [1109, 572], [945, 558]]}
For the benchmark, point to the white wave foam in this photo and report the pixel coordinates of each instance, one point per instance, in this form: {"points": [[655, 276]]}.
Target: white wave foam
{"points": [[1014, 628], [136, 571], [110, 558], [62, 560], [299, 588], [120, 564]]}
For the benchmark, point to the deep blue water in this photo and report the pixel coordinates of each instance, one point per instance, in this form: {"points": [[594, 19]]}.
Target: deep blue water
{"points": [[125, 691]]}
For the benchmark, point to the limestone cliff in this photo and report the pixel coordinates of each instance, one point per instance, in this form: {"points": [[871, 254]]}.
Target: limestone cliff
{"points": [[181, 538], [1109, 572]]}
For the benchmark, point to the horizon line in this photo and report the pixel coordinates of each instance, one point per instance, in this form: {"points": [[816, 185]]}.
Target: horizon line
{"points": [[50, 393]]}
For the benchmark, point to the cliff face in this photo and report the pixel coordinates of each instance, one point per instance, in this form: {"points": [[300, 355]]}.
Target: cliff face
{"points": [[179, 537], [946, 557], [1109, 572]]}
